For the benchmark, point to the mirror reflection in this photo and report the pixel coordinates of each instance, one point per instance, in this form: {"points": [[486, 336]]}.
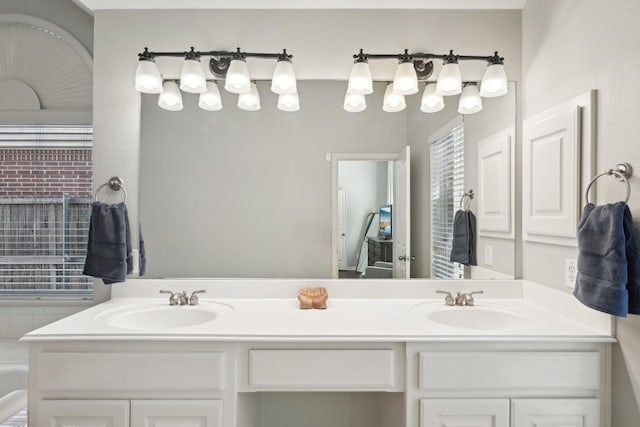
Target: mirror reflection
{"points": [[255, 194]]}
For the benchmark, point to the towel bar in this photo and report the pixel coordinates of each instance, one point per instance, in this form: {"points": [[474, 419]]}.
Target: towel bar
{"points": [[114, 183], [621, 172]]}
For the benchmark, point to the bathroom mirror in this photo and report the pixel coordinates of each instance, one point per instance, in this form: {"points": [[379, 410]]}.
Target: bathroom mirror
{"points": [[233, 193]]}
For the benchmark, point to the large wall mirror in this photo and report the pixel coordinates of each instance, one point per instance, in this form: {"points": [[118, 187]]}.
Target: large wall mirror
{"points": [[250, 194]]}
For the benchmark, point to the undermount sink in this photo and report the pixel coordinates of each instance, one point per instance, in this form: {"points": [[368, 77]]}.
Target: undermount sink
{"points": [[478, 318], [149, 317]]}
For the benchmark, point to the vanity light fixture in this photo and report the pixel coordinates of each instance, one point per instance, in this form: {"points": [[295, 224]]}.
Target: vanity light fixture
{"points": [[170, 99], [210, 100], [224, 65], [290, 102], [393, 101], [416, 67], [249, 101], [470, 101], [354, 102]]}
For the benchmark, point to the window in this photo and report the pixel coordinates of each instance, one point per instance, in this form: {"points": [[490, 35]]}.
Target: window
{"points": [[45, 198], [447, 187]]}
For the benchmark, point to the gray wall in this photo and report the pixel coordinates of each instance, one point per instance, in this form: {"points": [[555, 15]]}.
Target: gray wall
{"points": [[569, 48]]}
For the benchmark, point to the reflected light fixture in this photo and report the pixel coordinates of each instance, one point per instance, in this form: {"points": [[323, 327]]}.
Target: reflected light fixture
{"points": [[148, 78], [170, 99], [192, 78], [250, 101], [210, 100], [470, 101], [393, 101], [431, 102], [289, 102], [354, 102], [224, 65], [418, 67]]}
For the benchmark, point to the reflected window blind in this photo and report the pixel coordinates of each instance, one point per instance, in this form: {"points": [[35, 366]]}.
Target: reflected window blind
{"points": [[45, 199], [447, 187]]}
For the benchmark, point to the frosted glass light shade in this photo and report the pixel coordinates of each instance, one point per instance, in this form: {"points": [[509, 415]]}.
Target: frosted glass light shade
{"points": [[470, 101], [238, 79], [148, 78], [431, 102], [393, 102], [249, 101], [210, 100], [449, 80], [494, 81], [192, 78], [284, 79], [354, 102], [360, 80], [289, 102], [405, 81], [171, 98]]}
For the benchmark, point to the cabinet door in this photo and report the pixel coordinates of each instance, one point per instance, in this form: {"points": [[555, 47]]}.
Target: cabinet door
{"points": [[556, 412], [176, 413], [464, 413], [82, 413]]}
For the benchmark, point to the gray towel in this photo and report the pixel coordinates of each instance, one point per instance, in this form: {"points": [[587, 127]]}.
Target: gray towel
{"points": [[142, 265], [608, 277], [109, 252], [463, 248]]}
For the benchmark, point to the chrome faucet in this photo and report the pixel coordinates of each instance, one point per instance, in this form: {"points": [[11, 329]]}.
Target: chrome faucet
{"points": [[181, 298], [460, 298]]}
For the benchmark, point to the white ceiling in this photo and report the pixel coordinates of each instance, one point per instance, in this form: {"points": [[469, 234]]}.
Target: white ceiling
{"points": [[92, 5]]}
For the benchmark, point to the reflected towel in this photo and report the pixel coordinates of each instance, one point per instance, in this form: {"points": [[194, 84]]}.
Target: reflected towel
{"points": [[463, 249], [109, 252], [142, 266], [608, 277]]}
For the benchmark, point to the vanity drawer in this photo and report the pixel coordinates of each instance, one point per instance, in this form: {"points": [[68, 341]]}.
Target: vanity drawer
{"points": [[500, 370], [335, 369], [128, 371]]}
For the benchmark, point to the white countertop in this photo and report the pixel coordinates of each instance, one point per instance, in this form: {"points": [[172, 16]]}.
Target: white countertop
{"points": [[370, 318]]}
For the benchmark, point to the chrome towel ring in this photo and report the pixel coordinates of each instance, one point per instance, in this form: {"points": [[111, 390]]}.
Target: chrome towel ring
{"points": [[469, 195], [622, 172], [115, 184]]}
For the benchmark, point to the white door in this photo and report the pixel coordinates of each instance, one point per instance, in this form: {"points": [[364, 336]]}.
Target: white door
{"points": [[82, 413], [401, 216], [341, 229], [464, 412], [556, 412], [176, 413]]}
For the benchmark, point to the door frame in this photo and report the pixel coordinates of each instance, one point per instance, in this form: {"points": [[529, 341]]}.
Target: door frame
{"points": [[335, 158]]}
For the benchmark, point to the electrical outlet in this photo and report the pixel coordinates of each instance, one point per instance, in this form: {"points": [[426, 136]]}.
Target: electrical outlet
{"points": [[327, 157], [488, 254], [570, 272]]}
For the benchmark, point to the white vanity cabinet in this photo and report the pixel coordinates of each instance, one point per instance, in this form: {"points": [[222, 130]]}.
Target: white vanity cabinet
{"points": [[85, 413], [508, 384]]}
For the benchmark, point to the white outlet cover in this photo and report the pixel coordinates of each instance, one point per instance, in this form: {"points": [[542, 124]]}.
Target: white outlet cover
{"points": [[488, 254], [570, 272]]}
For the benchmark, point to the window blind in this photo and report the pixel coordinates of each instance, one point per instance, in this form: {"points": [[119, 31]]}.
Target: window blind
{"points": [[447, 187]]}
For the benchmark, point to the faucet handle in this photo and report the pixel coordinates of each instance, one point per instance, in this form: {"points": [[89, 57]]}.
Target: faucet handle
{"points": [[448, 299], [469, 297], [194, 300], [173, 299]]}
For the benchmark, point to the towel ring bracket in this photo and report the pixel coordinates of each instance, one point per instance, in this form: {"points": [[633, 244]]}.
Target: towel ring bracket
{"points": [[115, 184], [621, 172], [469, 195]]}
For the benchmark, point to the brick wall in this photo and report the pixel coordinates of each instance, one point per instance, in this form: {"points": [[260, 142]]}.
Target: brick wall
{"points": [[26, 172]]}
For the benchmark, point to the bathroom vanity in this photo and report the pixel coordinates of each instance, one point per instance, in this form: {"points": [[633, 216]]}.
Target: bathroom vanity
{"points": [[384, 354]]}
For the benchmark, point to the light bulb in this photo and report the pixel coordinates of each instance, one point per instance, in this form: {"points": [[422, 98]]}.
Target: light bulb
{"points": [[450, 80], [238, 79], [210, 100], [250, 101], [393, 101], [354, 102], [284, 78], [289, 102], [431, 102], [470, 101], [192, 77], [148, 78], [360, 80], [494, 81], [171, 98], [405, 81]]}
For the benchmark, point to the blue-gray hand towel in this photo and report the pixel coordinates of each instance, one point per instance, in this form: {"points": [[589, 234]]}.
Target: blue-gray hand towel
{"points": [[109, 252], [608, 277], [463, 249]]}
